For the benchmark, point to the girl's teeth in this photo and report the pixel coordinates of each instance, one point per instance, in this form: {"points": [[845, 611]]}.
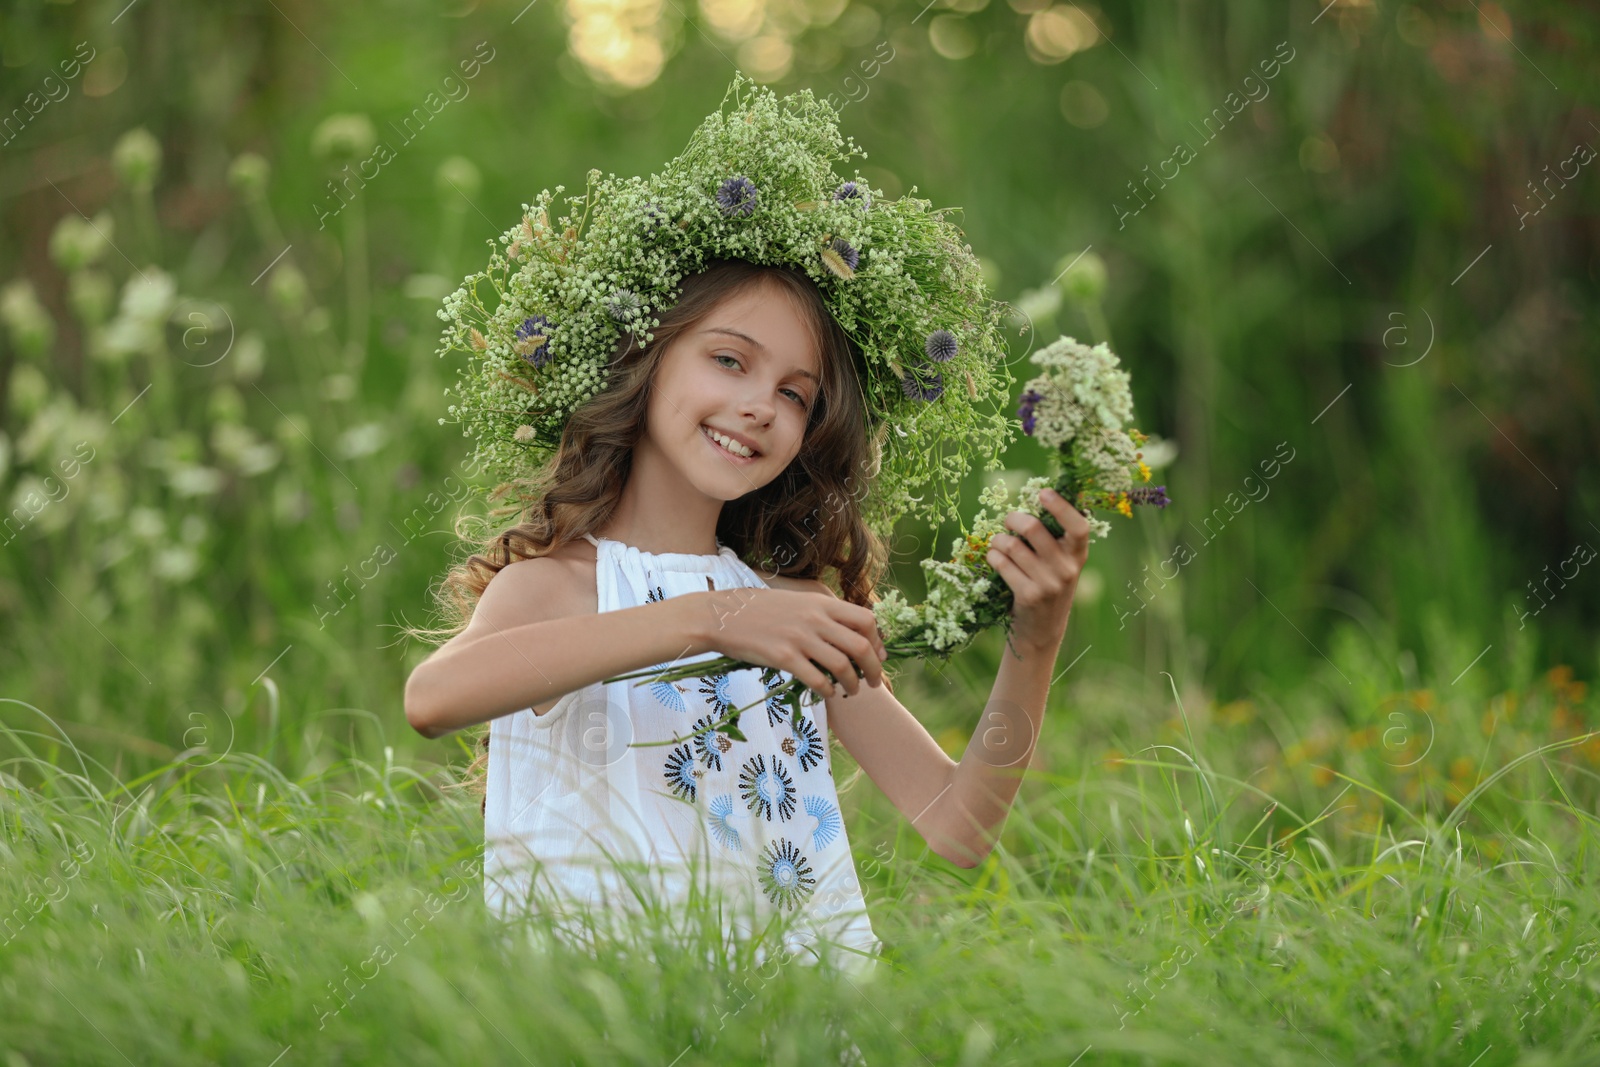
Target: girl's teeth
{"points": [[729, 446]]}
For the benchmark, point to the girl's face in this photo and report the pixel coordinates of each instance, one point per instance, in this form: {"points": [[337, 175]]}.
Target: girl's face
{"points": [[748, 371]]}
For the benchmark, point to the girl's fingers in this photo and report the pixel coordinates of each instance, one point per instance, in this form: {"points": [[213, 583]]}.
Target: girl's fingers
{"points": [[1036, 534], [1007, 568], [862, 654], [836, 663], [1073, 522], [1022, 554], [811, 675], [863, 622], [864, 657]]}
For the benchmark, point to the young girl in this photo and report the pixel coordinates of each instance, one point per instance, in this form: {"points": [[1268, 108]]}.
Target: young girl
{"points": [[737, 421]]}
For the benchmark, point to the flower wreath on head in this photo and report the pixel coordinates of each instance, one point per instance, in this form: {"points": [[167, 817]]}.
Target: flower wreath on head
{"points": [[757, 184]]}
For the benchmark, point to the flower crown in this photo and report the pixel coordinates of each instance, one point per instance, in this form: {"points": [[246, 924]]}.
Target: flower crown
{"points": [[754, 184]]}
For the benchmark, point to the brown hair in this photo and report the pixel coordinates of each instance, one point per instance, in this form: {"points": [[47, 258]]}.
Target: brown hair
{"points": [[802, 524]]}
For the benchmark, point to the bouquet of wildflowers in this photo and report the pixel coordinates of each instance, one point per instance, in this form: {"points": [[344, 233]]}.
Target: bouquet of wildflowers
{"points": [[1078, 407]]}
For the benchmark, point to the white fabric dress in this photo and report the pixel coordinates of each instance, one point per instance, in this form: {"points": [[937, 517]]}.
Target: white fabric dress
{"points": [[572, 792]]}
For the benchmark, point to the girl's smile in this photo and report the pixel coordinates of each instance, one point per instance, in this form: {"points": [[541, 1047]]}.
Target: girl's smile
{"points": [[737, 441]]}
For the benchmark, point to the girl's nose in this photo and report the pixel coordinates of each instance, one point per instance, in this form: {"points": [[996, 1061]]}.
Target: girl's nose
{"points": [[758, 408]]}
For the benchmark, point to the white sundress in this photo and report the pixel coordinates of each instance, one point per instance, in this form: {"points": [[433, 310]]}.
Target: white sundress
{"points": [[581, 807]]}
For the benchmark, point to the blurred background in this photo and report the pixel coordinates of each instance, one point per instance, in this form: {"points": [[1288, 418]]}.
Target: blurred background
{"points": [[1347, 252]]}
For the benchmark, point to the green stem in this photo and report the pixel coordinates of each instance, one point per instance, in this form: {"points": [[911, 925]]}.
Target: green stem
{"points": [[356, 288], [1097, 321]]}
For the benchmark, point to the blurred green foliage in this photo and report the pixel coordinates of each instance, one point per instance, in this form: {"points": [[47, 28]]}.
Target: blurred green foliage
{"points": [[1305, 230]]}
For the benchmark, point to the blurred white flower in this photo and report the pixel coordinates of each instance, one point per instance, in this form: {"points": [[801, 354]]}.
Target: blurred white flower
{"points": [[192, 479], [30, 325], [177, 563], [241, 449], [149, 295], [362, 440], [147, 524], [147, 299], [1159, 451], [1037, 305], [77, 242]]}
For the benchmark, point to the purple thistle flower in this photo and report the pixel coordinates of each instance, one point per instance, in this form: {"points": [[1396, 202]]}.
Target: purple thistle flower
{"points": [[852, 191], [653, 218], [850, 256], [537, 326], [1154, 495], [737, 196], [914, 390], [940, 346], [1030, 400]]}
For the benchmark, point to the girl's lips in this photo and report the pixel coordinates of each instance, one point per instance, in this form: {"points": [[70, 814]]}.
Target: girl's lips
{"points": [[729, 456]]}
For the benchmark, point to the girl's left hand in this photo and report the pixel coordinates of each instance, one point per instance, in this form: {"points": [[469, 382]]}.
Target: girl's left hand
{"points": [[1042, 571]]}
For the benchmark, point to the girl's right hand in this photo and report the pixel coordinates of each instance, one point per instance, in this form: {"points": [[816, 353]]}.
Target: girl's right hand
{"points": [[801, 633]]}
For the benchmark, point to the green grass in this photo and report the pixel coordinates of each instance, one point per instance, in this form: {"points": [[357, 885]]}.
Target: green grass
{"points": [[1152, 902], [1351, 827]]}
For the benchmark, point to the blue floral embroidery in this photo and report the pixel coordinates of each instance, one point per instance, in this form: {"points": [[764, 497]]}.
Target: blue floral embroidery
{"points": [[667, 693], [764, 790], [774, 680], [715, 690], [785, 874], [679, 773], [721, 828], [711, 744], [811, 749], [829, 825], [653, 594]]}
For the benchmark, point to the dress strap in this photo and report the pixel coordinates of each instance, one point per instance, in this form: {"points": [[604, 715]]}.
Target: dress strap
{"points": [[591, 540]]}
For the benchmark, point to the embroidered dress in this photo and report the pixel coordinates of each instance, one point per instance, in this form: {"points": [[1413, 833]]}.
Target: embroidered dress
{"points": [[582, 807]]}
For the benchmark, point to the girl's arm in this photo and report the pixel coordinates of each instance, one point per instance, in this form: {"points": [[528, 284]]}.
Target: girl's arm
{"points": [[526, 644], [958, 808]]}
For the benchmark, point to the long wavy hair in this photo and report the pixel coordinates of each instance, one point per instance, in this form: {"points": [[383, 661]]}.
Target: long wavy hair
{"points": [[805, 523]]}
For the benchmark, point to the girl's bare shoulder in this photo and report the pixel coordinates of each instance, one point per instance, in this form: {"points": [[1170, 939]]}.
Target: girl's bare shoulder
{"points": [[556, 585]]}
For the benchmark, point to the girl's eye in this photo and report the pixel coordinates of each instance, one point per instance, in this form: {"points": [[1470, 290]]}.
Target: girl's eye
{"points": [[798, 397]]}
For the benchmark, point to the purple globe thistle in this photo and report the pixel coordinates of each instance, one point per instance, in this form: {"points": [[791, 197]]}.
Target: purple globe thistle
{"points": [[850, 256], [737, 196], [624, 305], [915, 390], [940, 346], [1154, 495], [536, 326], [1030, 400], [853, 191]]}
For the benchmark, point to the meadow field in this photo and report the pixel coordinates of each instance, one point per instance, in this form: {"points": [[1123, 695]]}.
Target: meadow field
{"points": [[1320, 773]]}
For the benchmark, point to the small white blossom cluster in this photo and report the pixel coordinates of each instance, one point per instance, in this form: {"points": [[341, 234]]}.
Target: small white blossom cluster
{"points": [[1080, 386], [956, 587], [938, 621], [754, 183], [1081, 407]]}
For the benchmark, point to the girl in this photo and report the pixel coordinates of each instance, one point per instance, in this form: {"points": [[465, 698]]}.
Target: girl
{"points": [[739, 419]]}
